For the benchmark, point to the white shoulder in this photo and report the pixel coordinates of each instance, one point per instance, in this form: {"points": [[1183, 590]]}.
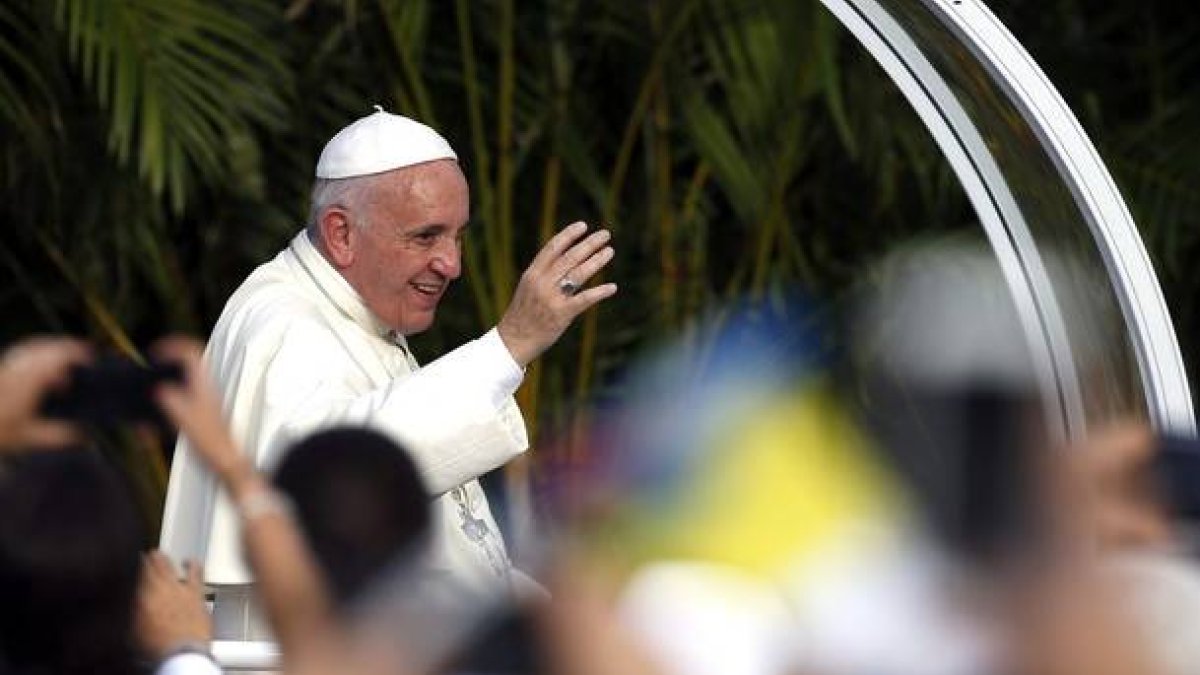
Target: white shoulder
{"points": [[269, 305]]}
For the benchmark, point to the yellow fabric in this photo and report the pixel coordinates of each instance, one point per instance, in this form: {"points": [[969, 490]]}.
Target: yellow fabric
{"points": [[779, 486]]}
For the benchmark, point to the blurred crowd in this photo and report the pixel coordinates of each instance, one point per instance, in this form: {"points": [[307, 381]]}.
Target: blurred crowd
{"points": [[734, 514]]}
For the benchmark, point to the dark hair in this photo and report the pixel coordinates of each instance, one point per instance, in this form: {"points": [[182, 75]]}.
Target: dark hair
{"points": [[1176, 472], [359, 501], [69, 559]]}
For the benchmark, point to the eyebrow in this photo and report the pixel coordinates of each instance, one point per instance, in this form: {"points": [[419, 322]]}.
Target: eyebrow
{"points": [[434, 227]]}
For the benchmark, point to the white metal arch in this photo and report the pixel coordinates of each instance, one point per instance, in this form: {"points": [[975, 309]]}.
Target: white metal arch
{"points": [[1018, 78]]}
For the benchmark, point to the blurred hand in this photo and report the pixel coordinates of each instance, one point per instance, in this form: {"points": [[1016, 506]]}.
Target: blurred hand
{"points": [[1070, 620], [195, 407], [1123, 505], [580, 629], [28, 371], [540, 310], [170, 611]]}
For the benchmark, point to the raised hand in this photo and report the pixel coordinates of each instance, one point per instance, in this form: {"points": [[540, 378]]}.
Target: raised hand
{"points": [[549, 295], [195, 407], [28, 371]]}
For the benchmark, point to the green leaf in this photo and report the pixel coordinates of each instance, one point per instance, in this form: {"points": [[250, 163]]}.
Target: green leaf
{"points": [[177, 77]]}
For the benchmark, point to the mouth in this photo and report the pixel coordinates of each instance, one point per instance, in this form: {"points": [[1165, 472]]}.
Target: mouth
{"points": [[429, 289]]}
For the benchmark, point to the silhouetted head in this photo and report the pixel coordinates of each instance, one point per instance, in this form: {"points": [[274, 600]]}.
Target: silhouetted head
{"points": [[69, 559], [360, 503]]}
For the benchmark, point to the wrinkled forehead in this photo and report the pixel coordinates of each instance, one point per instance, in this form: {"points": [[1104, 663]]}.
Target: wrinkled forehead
{"points": [[431, 188]]}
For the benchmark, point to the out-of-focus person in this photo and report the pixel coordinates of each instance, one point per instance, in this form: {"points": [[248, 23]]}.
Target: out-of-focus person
{"points": [[360, 502], [1141, 509], [760, 528], [69, 560], [68, 534], [70, 544], [746, 524], [318, 337], [958, 401]]}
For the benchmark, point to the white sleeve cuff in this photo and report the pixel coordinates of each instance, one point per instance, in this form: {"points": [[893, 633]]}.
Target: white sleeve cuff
{"points": [[500, 369], [188, 663]]}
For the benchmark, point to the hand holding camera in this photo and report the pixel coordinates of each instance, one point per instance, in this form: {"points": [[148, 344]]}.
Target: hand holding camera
{"points": [[110, 390], [29, 371], [54, 386]]}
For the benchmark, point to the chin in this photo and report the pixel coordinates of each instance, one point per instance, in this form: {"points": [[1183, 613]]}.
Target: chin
{"points": [[414, 327]]}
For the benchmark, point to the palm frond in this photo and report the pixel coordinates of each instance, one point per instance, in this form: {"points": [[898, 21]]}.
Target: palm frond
{"points": [[177, 78]]}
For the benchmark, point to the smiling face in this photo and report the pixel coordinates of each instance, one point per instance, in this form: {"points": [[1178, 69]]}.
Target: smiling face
{"points": [[409, 250]]}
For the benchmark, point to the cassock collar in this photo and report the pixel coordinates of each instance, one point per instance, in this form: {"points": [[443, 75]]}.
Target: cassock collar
{"points": [[339, 291]]}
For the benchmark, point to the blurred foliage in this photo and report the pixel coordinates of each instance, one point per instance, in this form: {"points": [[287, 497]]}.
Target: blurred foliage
{"points": [[154, 151]]}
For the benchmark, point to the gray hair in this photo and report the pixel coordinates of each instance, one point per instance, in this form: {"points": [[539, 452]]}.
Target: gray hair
{"points": [[348, 193]]}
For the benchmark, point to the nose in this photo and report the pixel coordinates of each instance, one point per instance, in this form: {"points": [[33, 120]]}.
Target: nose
{"points": [[447, 259]]}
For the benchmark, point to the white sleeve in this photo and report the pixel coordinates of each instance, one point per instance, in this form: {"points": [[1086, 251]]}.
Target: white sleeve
{"points": [[188, 663], [500, 370], [455, 416]]}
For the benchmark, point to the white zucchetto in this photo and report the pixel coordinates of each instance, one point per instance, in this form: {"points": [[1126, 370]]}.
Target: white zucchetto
{"points": [[381, 142]]}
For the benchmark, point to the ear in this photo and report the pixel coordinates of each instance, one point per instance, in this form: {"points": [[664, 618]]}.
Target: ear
{"points": [[339, 237]]}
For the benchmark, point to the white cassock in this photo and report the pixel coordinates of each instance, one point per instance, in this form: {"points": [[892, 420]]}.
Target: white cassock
{"points": [[296, 350]]}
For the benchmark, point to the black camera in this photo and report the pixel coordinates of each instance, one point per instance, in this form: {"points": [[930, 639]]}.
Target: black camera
{"points": [[111, 390]]}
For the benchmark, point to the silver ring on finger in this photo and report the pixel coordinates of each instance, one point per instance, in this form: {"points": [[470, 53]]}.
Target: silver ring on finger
{"points": [[567, 286]]}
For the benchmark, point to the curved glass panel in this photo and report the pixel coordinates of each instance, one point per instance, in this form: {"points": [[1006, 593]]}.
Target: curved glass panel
{"points": [[1086, 295], [1103, 355]]}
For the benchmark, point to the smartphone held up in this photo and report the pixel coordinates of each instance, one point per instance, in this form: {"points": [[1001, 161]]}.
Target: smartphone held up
{"points": [[111, 390]]}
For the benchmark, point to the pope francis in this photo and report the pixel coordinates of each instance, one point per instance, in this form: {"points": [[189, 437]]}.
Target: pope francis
{"points": [[317, 337]]}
